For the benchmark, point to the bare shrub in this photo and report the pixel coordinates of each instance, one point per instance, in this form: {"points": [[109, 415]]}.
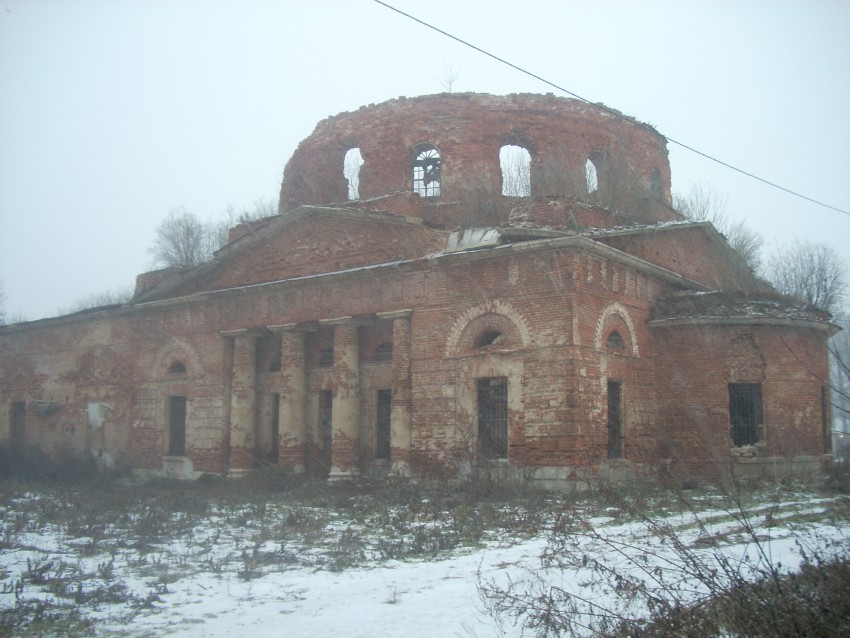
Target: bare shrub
{"points": [[811, 272], [679, 581], [181, 240], [703, 203]]}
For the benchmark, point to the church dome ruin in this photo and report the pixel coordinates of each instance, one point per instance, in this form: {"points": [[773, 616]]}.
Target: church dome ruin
{"points": [[470, 157]]}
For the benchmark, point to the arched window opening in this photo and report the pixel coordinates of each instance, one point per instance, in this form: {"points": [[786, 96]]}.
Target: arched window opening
{"points": [[656, 185], [426, 171], [488, 338], [615, 340], [591, 176], [351, 169], [515, 162], [383, 352], [177, 367]]}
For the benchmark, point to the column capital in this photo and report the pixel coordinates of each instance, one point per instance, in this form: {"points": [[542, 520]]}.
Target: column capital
{"points": [[395, 314], [244, 332], [363, 320], [304, 326]]}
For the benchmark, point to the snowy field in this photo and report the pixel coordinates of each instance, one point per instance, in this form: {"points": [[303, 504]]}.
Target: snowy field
{"points": [[125, 564]]}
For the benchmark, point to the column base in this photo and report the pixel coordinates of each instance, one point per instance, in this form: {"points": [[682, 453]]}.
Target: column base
{"points": [[337, 474], [401, 469]]}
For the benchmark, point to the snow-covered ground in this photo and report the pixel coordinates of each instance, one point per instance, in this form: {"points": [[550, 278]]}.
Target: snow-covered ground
{"points": [[226, 576]]}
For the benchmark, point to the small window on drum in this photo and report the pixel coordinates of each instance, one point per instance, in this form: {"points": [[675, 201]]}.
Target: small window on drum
{"points": [[615, 340], [426, 171]]}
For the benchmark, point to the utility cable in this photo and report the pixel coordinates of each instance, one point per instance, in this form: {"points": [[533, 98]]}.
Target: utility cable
{"points": [[612, 111]]}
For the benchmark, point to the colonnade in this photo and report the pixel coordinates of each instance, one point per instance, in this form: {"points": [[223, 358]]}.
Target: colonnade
{"points": [[241, 395]]}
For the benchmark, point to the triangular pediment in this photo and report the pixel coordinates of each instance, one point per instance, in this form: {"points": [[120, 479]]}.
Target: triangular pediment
{"points": [[309, 240]]}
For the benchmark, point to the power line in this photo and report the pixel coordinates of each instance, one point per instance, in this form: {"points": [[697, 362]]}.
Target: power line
{"points": [[611, 111]]}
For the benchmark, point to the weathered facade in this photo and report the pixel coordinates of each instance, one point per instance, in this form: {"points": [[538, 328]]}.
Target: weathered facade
{"points": [[420, 305]]}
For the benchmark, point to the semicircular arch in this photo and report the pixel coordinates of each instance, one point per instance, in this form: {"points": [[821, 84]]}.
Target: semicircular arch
{"points": [[176, 350], [494, 316], [615, 317]]}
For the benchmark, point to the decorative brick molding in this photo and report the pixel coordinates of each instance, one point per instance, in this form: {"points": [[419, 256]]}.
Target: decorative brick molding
{"points": [[455, 343]]}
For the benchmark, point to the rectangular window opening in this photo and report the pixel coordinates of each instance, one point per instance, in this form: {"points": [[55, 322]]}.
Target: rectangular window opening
{"points": [[826, 416], [383, 422], [326, 401], [19, 420], [176, 426], [274, 445], [745, 413], [493, 417], [615, 419]]}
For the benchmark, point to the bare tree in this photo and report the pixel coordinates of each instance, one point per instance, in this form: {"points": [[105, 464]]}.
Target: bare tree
{"points": [[99, 299], [811, 272], [220, 231], [703, 203], [449, 77], [182, 240]]}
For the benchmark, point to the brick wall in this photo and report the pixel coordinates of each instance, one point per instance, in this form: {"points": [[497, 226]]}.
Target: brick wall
{"points": [[469, 130]]}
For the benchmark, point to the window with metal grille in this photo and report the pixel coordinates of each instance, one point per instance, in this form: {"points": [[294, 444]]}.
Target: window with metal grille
{"points": [[274, 444], [383, 422], [493, 417], [426, 171], [745, 413], [826, 419], [326, 402], [176, 426], [615, 419], [19, 419]]}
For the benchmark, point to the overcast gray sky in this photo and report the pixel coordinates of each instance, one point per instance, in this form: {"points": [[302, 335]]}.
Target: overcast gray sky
{"points": [[112, 113]]}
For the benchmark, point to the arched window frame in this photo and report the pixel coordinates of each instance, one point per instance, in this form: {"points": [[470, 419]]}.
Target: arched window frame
{"points": [[177, 367], [426, 170], [351, 165], [615, 341], [515, 164], [591, 176]]}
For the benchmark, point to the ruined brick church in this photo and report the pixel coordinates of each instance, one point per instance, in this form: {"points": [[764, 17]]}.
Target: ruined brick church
{"points": [[452, 282]]}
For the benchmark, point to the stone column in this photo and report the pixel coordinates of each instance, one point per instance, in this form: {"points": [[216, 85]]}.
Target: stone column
{"points": [[243, 401], [401, 434], [292, 424], [346, 400]]}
